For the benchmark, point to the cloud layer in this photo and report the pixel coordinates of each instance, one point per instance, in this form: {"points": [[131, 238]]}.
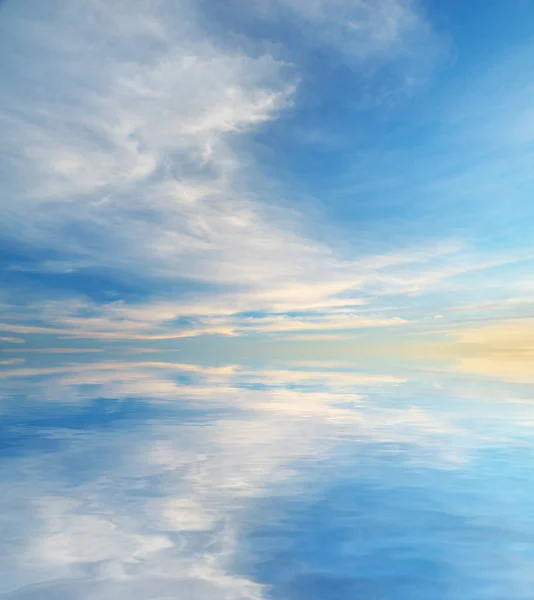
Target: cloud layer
{"points": [[141, 169], [140, 202]]}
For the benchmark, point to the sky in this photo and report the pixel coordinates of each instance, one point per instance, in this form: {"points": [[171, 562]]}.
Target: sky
{"points": [[266, 304], [278, 172]]}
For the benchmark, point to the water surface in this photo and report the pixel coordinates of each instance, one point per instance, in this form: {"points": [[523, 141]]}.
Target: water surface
{"points": [[151, 479]]}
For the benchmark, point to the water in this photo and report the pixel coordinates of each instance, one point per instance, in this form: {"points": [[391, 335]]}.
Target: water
{"points": [[148, 479]]}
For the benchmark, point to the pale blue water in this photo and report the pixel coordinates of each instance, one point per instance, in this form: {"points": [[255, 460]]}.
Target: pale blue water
{"points": [[152, 480]]}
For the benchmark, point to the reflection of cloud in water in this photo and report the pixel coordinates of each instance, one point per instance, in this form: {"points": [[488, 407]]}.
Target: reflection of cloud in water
{"points": [[160, 508]]}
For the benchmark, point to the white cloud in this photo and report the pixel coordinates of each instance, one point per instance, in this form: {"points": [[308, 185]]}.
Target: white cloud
{"points": [[332, 301], [12, 361], [141, 165], [12, 340], [52, 350]]}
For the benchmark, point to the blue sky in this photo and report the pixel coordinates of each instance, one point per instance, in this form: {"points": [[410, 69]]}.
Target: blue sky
{"points": [[266, 299], [296, 171]]}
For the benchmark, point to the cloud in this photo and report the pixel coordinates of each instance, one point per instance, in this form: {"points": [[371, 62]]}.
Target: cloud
{"points": [[140, 148], [53, 350], [368, 32], [12, 361], [363, 29], [144, 172], [142, 168], [345, 296], [114, 334], [12, 340]]}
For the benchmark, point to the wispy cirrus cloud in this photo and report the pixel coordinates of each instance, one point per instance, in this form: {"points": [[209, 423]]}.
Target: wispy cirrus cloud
{"points": [[140, 168], [12, 340], [143, 172], [11, 361], [51, 350], [380, 30]]}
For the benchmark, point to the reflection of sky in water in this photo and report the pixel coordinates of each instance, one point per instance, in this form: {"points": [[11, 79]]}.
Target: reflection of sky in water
{"points": [[154, 480]]}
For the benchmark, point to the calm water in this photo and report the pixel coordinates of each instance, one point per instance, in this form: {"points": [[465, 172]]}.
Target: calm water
{"points": [[153, 480]]}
